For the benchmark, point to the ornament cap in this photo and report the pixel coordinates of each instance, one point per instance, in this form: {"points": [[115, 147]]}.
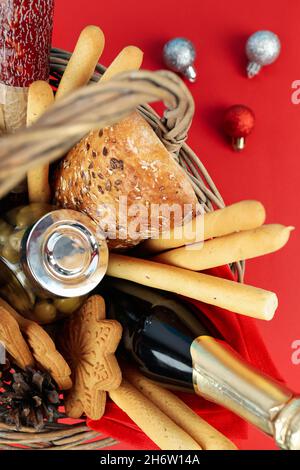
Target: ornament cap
{"points": [[191, 73], [238, 143], [253, 68]]}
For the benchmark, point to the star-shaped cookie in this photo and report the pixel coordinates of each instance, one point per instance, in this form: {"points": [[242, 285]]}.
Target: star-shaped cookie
{"points": [[88, 343]]}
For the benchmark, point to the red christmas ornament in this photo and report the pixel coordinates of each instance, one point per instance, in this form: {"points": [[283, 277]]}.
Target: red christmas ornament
{"points": [[238, 123]]}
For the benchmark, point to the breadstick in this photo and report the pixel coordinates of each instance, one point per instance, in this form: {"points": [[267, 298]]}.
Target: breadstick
{"points": [[159, 427], [230, 295], [130, 58], [40, 97], [202, 432], [83, 61], [228, 249], [244, 215]]}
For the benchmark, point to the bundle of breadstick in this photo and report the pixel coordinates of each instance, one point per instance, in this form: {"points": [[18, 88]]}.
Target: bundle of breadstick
{"points": [[169, 422], [231, 234]]}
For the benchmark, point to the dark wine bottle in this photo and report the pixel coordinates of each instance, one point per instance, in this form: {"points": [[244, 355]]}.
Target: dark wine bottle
{"points": [[178, 349]]}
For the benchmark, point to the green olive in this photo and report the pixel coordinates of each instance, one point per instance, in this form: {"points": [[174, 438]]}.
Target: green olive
{"points": [[44, 312], [11, 216], [5, 231], [68, 306], [10, 254], [28, 215], [15, 239]]}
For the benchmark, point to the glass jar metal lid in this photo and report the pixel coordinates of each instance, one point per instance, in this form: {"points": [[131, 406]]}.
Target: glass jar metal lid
{"points": [[64, 254]]}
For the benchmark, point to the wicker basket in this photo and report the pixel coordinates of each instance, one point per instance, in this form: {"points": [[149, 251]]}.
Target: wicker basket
{"points": [[54, 134]]}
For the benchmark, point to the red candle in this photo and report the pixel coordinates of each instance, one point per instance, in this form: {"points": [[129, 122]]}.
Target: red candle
{"points": [[25, 41]]}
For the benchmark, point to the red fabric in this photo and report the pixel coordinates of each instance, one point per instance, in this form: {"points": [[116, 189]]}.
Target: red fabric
{"points": [[241, 333]]}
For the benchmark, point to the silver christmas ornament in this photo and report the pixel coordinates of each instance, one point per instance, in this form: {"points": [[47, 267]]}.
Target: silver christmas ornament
{"points": [[262, 48], [179, 55]]}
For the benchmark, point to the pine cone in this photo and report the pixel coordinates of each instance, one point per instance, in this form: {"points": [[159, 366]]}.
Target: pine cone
{"points": [[29, 397]]}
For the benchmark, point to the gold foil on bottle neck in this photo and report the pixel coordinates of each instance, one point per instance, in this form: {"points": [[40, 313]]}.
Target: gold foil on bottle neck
{"points": [[221, 376]]}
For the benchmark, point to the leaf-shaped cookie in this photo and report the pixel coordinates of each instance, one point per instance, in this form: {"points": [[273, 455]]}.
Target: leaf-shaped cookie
{"points": [[13, 341]]}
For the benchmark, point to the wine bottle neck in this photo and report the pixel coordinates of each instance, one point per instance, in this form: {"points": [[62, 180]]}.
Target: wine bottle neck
{"points": [[221, 376]]}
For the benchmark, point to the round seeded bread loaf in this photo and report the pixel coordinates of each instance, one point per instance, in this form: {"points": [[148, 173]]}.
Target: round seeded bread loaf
{"points": [[126, 160]]}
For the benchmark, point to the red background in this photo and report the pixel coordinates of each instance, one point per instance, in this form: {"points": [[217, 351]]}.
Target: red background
{"points": [[268, 168]]}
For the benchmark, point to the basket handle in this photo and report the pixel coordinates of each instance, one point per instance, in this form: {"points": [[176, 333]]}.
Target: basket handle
{"points": [[95, 107]]}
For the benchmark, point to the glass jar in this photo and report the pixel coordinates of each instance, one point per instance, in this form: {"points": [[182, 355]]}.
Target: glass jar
{"points": [[50, 259]]}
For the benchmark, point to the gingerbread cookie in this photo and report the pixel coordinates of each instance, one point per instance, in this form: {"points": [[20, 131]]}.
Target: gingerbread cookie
{"points": [[13, 341], [43, 348], [88, 343]]}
